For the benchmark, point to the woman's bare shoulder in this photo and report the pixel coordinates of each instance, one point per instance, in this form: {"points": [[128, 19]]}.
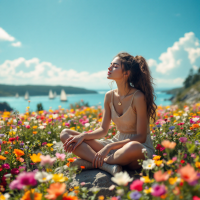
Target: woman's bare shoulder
{"points": [[108, 96]]}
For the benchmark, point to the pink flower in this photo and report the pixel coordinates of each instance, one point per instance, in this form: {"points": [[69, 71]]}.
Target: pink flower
{"points": [[174, 158], [28, 126], [183, 139], [82, 183], [47, 160], [193, 155], [6, 166], [60, 156], [136, 185], [15, 185], [27, 179], [158, 190]]}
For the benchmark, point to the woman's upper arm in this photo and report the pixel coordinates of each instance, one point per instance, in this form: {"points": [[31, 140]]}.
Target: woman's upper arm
{"points": [[141, 110], [106, 119]]}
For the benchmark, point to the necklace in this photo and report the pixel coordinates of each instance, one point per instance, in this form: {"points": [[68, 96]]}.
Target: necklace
{"points": [[119, 103]]}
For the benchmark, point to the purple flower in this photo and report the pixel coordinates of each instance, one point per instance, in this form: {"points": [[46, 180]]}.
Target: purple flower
{"points": [[19, 122], [158, 190], [193, 183], [159, 125], [135, 195], [1, 135], [197, 142], [170, 132], [69, 121], [21, 144], [26, 147], [6, 166], [22, 148], [1, 142], [27, 178], [171, 127], [189, 133], [49, 132]]}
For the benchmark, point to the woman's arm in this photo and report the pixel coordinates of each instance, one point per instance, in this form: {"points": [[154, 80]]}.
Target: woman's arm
{"points": [[102, 131], [142, 120]]}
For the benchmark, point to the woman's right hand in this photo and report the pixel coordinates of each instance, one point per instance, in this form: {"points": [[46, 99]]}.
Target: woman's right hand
{"points": [[76, 140]]}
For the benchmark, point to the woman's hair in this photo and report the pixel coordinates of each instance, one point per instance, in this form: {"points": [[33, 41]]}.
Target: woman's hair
{"points": [[140, 78]]}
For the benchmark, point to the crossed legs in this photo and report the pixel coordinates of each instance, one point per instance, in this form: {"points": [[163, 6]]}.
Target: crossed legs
{"points": [[125, 156]]}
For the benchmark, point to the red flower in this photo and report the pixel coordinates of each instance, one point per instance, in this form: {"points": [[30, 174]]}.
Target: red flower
{"points": [[14, 171], [195, 198], [182, 161], [11, 139], [17, 138]]}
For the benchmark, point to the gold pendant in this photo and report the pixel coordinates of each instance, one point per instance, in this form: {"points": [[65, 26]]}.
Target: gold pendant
{"points": [[119, 103]]}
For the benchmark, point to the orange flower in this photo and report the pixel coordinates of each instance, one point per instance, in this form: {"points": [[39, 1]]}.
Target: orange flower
{"points": [[27, 195], [55, 190], [188, 173], [167, 144], [70, 198], [68, 164], [195, 125], [18, 152], [2, 157], [71, 159], [6, 152], [159, 176], [82, 167], [158, 162], [20, 159], [34, 132]]}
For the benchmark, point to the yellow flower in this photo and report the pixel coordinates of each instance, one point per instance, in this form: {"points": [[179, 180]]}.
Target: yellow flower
{"points": [[34, 127], [156, 157], [147, 191], [197, 164], [51, 149], [36, 158], [49, 144], [76, 187], [158, 162], [59, 178], [146, 179], [2, 157], [101, 197], [169, 162], [72, 128], [172, 180], [48, 170]]}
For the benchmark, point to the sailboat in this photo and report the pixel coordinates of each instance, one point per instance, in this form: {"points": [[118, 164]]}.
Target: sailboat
{"points": [[63, 96], [55, 94], [26, 97], [17, 95], [51, 96]]}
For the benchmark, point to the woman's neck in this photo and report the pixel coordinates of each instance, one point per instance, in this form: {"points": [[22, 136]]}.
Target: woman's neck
{"points": [[122, 90]]}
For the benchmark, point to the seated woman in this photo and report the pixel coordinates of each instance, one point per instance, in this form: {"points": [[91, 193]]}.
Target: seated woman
{"points": [[130, 107]]}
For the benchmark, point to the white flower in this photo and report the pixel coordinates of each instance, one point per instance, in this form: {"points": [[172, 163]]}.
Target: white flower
{"points": [[43, 176], [6, 195], [44, 124], [27, 142], [120, 192], [95, 189], [33, 118], [55, 116], [59, 127], [185, 114], [54, 142], [41, 127], [26, 123], [14, 121], [35, 121], [109, 133], [177, 117], [144, 150], [8, 175], [14, 130], [112, 187], [87, 125], [195, 119], [148, 164], [121, 178]]}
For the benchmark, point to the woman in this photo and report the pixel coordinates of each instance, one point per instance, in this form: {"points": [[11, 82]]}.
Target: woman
{"points": [[130, 107]]}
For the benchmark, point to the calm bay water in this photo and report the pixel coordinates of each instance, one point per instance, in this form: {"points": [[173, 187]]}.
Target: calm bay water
{"points": [[93, 99]]}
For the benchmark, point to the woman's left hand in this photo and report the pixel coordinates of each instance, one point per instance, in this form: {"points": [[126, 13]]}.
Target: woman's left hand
{"points": [[99, 157]]}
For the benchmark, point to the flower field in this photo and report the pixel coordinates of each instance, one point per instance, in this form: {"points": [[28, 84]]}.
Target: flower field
{"points": [[28, 159]]}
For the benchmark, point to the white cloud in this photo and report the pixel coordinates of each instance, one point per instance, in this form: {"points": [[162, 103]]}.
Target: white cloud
{"points": [[187, 49], [22, 71], [176, 81], [16, 44], [5, 36]]}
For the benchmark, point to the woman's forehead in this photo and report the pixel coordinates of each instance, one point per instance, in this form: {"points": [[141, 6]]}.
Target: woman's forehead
{"points": [[117, 60]]}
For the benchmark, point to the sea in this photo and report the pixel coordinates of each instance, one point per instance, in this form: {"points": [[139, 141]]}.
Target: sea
{"points": [[97, 99]]}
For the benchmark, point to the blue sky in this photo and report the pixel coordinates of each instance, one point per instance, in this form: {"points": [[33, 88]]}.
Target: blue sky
{"points": [[72, 42]]}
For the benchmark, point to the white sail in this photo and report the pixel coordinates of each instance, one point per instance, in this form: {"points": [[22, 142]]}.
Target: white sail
{"points": [[17, 95], [51, 96], [26, 97], [63, 96], [55, 94]]}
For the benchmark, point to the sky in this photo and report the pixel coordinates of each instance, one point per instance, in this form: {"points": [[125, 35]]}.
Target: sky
{"points": [[73, 42]]}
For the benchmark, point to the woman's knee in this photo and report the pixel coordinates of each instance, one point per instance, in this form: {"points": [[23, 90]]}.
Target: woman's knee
{"points": [[64, 135], [134, 146]]}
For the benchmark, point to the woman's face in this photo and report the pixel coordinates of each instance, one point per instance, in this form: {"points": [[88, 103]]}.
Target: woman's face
{"points": [[115, 70]]}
